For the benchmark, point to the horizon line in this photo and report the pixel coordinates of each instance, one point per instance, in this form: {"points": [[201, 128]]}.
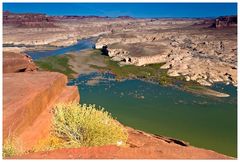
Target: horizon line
{"points": [[135, 17]]}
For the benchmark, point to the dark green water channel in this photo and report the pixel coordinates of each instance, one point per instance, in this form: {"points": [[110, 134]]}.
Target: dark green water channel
{"points": [[206, 122]]}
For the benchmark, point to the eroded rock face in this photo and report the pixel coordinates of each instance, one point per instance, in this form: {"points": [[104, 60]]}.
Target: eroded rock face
{"points": [[27, 101], [193, 51], [17, 62]]}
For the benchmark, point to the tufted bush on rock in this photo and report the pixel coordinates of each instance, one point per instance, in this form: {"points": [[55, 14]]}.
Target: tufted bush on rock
{"points": [[82, 125]]}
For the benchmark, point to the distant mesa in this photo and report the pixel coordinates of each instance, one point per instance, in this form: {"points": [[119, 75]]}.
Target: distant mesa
{"points": [[221, 22], [81, 17], [125, 17], [38, 20], [225, 22], [33, 20]]}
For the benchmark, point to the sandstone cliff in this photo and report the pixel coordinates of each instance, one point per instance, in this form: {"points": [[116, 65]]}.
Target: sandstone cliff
{"points": [[27, 101]]}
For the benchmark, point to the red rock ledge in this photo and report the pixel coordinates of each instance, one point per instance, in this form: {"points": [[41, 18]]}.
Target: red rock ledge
{"points": [[141, 146], [27, 100]]}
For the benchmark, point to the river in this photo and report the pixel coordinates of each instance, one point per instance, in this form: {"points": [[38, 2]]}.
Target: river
{"points": [[203, 121], [80, 45]]}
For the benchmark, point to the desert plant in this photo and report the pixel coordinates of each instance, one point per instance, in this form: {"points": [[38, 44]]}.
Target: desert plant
{"points": [[9, 147], [82, 125]]}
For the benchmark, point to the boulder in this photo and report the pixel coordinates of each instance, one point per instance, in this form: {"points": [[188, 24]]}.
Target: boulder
{"points": [[17, 62]]}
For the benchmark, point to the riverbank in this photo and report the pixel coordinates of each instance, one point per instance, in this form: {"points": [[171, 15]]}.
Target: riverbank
{"points": [[202, 55], [74, 64]]}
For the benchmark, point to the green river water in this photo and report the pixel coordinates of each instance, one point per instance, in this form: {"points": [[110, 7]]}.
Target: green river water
{"points": [[203, 121]]}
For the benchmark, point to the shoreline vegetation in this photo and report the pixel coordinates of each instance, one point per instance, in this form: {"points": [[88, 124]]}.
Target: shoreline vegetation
{"points": [[151, 72], [58, 63]]}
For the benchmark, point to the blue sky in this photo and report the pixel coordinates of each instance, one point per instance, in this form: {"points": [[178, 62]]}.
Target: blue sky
{"points": [[130, 9]]}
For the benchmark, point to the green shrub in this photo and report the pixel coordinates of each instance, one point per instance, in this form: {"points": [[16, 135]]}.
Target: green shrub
{"points": [[82, 125], [9, 147]]}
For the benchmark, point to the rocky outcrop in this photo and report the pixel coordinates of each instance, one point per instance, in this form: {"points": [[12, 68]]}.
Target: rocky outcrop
{"points": [[27, 101], [17, 62], [141, 145], [196, 52], [225, 22]]}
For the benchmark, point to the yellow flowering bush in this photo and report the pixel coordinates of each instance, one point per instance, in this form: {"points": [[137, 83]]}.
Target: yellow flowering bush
{"points": [[82, 125]]}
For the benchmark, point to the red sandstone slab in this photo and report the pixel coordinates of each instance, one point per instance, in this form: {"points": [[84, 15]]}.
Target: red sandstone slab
{"points": [[141, 145], [114, 152], [27, 100]]}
